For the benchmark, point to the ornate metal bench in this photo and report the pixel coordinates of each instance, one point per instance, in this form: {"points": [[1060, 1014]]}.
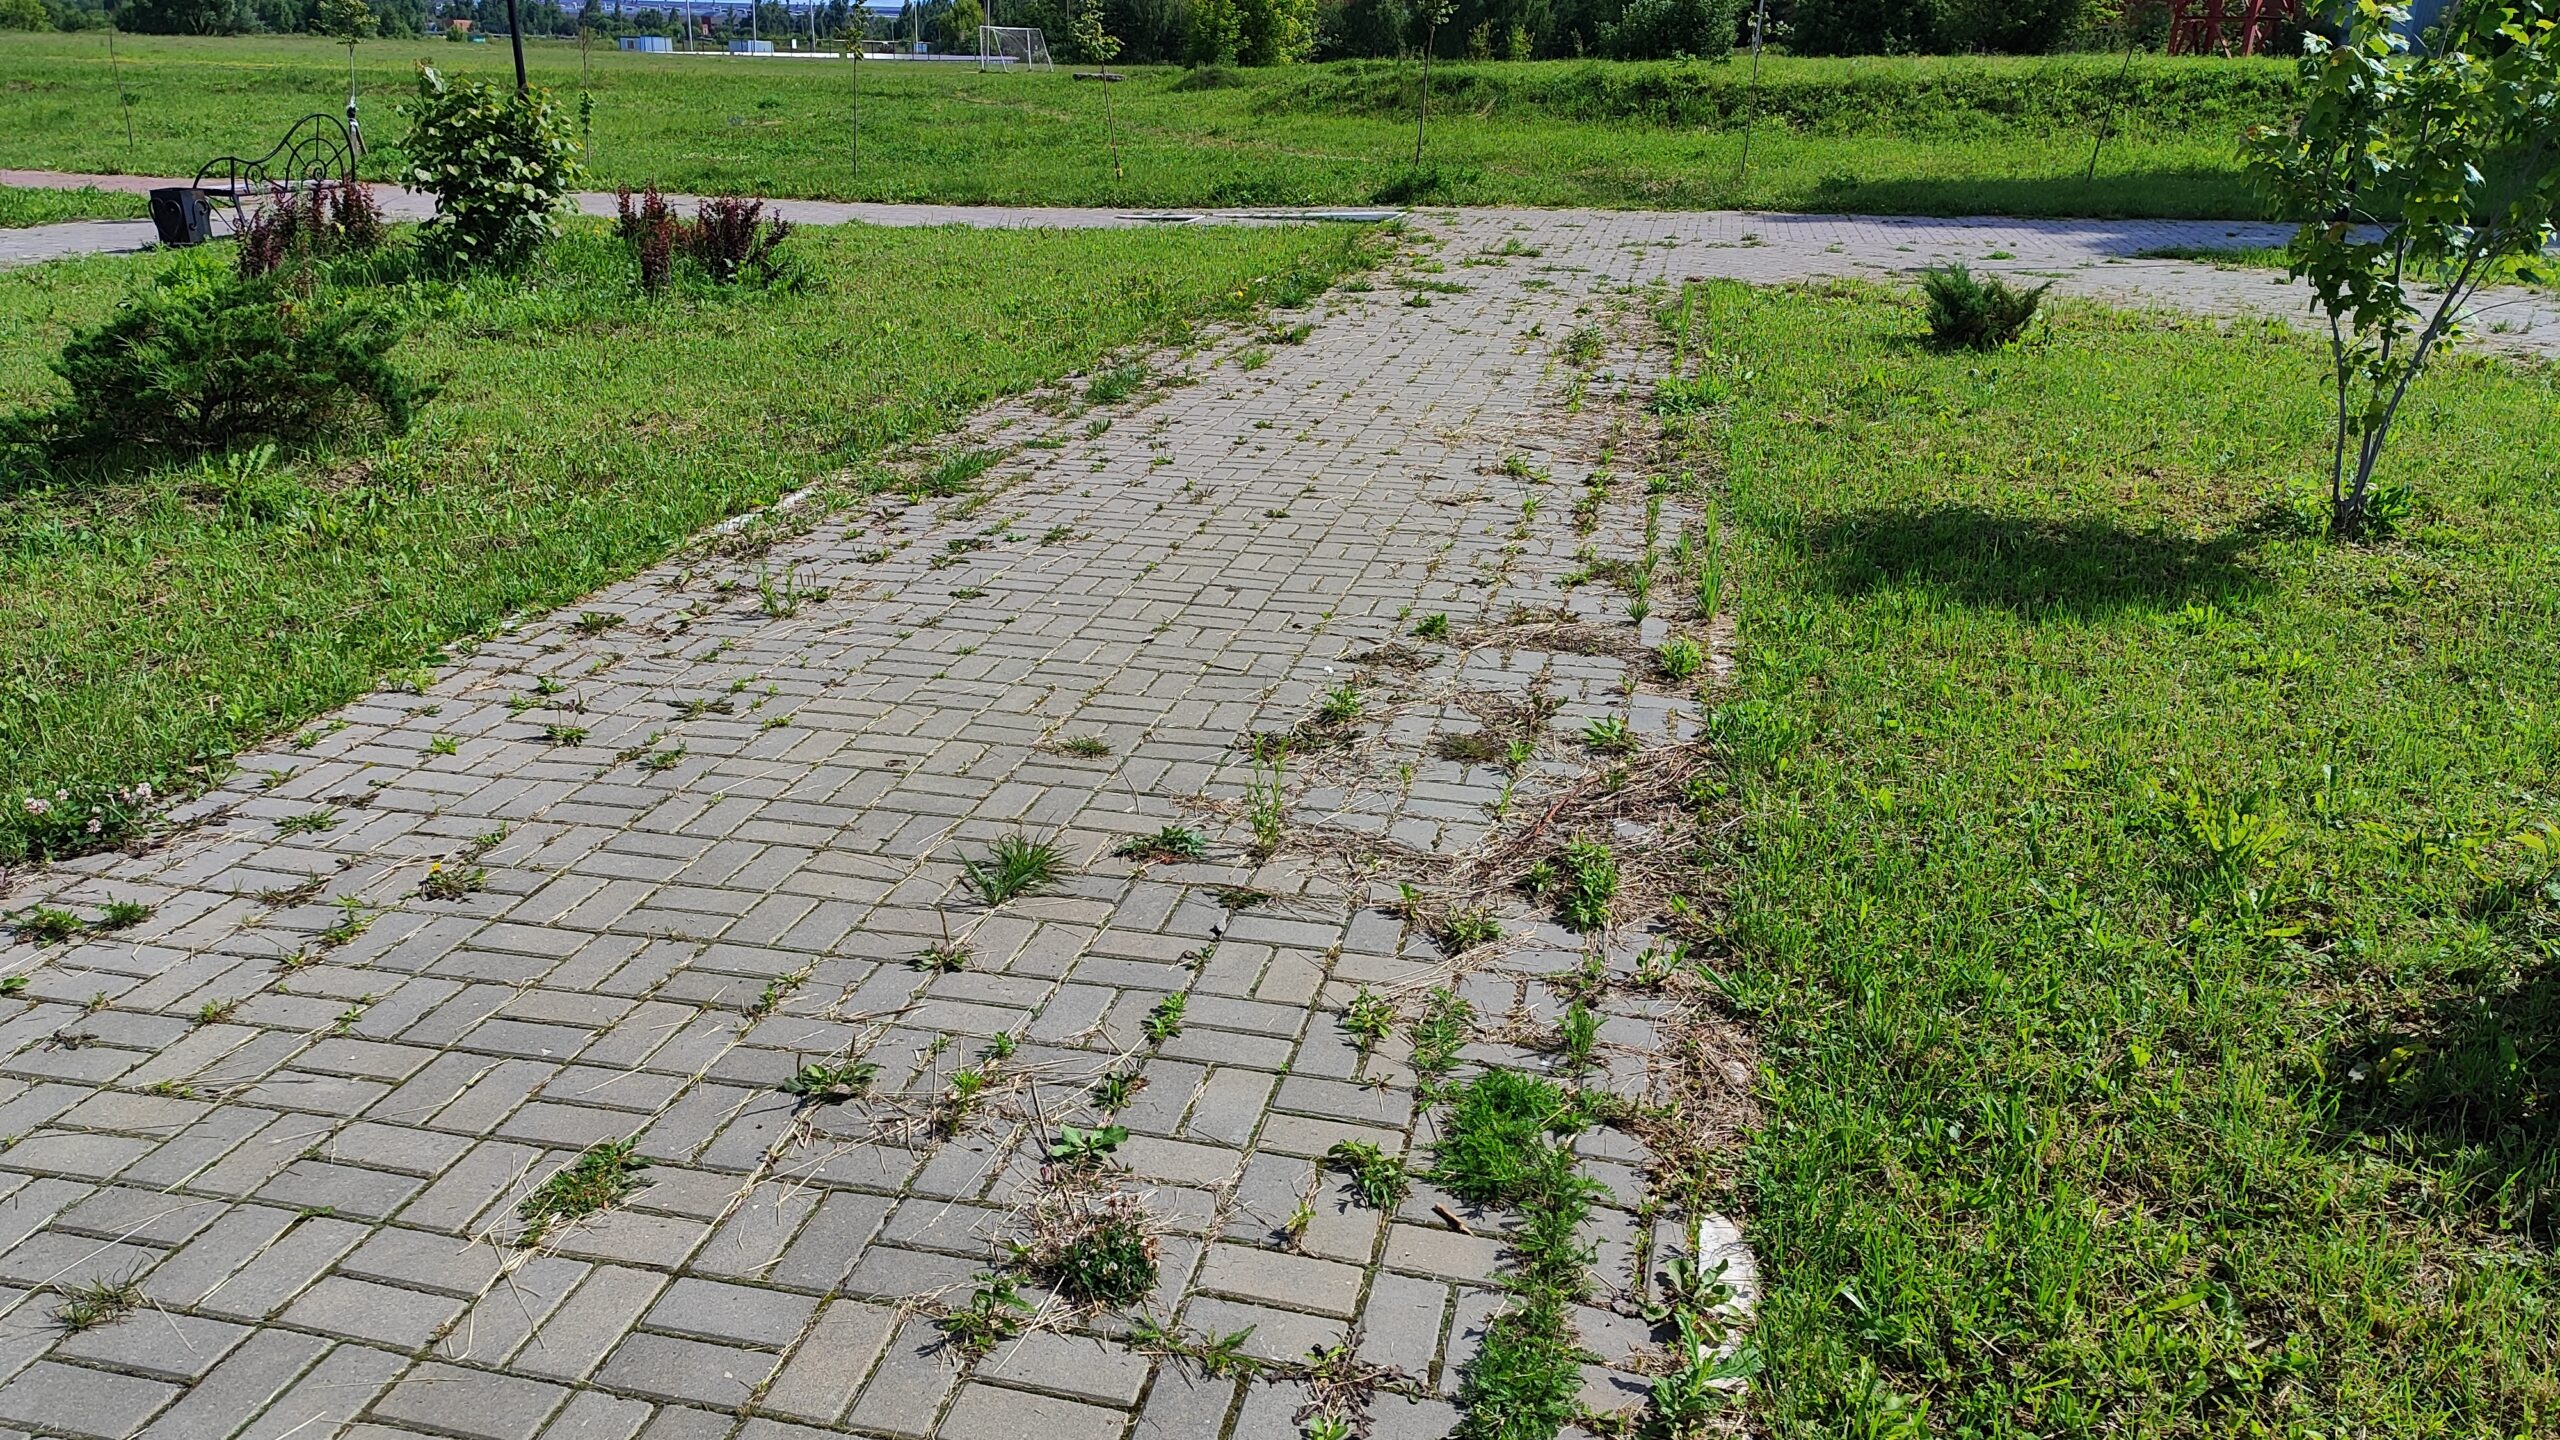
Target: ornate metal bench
{"points": [[319, 149]]}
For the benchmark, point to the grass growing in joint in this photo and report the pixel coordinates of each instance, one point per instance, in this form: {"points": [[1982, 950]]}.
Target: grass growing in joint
{"points": [[1500, 1145], [2148, 909], [147, 627], [1018, 865], [599, 1179]]}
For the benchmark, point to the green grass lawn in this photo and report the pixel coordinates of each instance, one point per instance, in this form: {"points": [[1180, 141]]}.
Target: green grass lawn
{"points": [[2149, 908], [24, 205], [1922, 136], [150, 626]]}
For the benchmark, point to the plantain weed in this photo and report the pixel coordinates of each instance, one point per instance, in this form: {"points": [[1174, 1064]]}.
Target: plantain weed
{"points": [[1173, 842], [832, 1084], [1609, 735], [1378, 1177], [1368, 1019]]}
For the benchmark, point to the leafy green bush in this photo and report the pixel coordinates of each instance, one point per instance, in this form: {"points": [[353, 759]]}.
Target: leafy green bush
{"points": [[1661, 29], [214, 362], [498, 162], [1976, 313]]}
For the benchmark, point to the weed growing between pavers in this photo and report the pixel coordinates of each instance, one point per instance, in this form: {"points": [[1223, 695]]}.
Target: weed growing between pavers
{"points": [[1499, 1147], [600, 1178], [1018, 865], [1376, 1176], [833, 1084], [1096, 1250], [1173, 842], [94, 1303]]}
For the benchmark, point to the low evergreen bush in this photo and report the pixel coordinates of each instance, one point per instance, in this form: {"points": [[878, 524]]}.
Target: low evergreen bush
{"points": [[215, 362], [1973, 312]]}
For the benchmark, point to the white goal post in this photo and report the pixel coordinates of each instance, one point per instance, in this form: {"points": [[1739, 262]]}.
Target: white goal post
{"points": [[1020, 44]]}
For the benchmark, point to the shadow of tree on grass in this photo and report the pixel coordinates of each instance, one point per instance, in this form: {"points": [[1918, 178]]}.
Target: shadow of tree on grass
{"points": [[2465, 1086], [2032, 564]]}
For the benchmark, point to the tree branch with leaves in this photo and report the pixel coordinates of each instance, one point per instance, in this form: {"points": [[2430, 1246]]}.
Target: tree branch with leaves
{"points": [[2415, 176]]}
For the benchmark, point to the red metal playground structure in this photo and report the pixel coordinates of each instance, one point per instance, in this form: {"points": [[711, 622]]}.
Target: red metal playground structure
{"points": [[2228, 27]]}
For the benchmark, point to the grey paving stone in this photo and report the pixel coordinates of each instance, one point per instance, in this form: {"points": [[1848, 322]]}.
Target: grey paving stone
{"points": [[473, 1403], [71, 1400], [1185, 1405], [570, 1342], [988, 1411], [1075, 1366], [1438, 1250], [385, 1314], [335, 1391], [663, 1367], [594, 1415], [831, 1363], [1401, 1321], [731, 1314], [679, 1422], [263, 1366], [157, 1344], [1276, 1277], [1282, 1335], [905, 1394]]}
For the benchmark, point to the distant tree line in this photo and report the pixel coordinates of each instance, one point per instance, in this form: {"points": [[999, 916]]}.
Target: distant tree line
{"points": [[1227, 32], [1267, 32]]}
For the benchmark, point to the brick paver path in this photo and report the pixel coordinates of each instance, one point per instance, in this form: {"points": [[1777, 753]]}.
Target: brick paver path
{"points": [[624, 870]]}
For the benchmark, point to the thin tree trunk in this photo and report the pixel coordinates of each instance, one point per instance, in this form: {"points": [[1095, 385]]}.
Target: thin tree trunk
{"points": [[2369, 450], [1422, 112]]}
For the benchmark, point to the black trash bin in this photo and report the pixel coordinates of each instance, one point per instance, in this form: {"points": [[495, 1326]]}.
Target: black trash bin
{"points": [[181, 216]]}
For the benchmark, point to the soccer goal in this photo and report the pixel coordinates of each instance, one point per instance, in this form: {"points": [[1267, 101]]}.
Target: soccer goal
{"points": [[1006, 46]]}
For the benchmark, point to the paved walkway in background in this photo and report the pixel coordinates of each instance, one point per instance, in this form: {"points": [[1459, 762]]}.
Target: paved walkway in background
{"points": [[623, 870], [2099, 259]]}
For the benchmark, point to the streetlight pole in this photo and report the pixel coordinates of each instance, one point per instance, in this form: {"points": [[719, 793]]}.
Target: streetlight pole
{"points": [[515, 37]]}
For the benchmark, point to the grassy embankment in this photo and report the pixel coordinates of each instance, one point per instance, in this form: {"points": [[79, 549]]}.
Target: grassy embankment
{"points": [[1955, 135]]}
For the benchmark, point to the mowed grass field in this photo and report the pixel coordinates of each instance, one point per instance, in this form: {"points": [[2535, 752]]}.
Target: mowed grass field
{"points": [[1910, 135], [2150, 908], [21, 206], [151, 624]]}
